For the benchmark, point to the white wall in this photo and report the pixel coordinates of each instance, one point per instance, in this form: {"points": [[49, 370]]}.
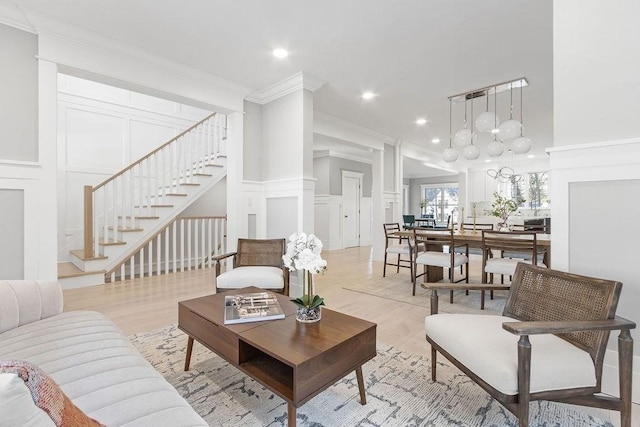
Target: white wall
{"points": [[19, 100], [12, 231], [597, 147], [252, 143], [283, 138], [595, 68]]}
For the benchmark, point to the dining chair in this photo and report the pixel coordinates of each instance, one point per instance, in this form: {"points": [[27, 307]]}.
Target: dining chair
{"points": [[472, 226], [522, 244], [439, 252], [396, 245], [536, 228], [256, 262], [409, 221]]}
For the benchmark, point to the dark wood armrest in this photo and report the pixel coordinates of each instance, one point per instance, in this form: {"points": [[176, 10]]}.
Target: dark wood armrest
{"points": [[563, 327], [222, 256]]}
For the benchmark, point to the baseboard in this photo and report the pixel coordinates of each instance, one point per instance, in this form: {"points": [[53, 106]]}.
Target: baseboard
{"points": [[610, 383]]}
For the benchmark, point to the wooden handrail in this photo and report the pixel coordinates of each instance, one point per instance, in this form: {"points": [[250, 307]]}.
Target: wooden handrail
{"points": [[137, 162]]}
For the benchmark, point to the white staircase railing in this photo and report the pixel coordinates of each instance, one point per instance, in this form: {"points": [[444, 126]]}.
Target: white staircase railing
{"points": [[187, 243], [134, 193]]}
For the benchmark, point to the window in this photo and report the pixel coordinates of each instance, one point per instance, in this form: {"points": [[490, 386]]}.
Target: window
{"points": [[529, 190], [439, 201]]}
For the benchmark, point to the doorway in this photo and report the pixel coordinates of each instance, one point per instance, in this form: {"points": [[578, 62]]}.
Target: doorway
{"points": [[351, 194]]}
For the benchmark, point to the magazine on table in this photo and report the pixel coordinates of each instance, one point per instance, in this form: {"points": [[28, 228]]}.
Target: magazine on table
{"points": [[251, 307]]}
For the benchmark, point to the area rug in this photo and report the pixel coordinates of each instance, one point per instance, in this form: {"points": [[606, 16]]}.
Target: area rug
{"points": [[398, 287], [398, 386]]}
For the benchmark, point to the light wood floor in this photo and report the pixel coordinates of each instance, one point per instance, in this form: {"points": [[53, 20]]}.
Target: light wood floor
{"points": [[149, 303]]}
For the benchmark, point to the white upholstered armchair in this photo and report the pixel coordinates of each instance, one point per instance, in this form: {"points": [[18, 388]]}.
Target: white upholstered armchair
{"points": [[256, 262]]}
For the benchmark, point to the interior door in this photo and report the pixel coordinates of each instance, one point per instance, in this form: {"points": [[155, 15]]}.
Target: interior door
{"points": [[350, 210]]}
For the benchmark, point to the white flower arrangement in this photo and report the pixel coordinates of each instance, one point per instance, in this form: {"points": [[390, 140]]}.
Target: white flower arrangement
{"points": [[303, 253]]}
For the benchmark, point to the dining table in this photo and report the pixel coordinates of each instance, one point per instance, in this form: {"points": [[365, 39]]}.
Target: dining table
{"points": [[473, 238], [425, 222]]}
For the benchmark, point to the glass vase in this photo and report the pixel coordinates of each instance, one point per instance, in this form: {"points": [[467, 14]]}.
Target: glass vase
{"points": [[308, 315]]}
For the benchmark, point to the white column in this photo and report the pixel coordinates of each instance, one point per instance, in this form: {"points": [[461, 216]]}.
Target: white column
{"points": [[377, 201], [47, 232], [236, 217]]}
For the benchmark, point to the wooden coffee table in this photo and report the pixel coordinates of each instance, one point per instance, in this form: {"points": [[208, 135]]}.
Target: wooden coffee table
{"points": [[294, 360]]}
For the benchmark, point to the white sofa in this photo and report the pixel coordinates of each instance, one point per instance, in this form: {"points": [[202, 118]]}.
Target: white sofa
{"points": [[91, 360]]}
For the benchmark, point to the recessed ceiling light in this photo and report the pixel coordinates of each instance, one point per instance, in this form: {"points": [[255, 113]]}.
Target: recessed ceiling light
{"points": [[531, 156], [435, 141], [280, 53], [421, 121], [496, 130], [487, 160], [368, 95]]}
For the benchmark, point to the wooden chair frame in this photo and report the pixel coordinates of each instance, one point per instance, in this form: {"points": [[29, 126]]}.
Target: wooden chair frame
{"points": [[578, 309], [389, 232], [257, 252], [513, 241], [439, 238]]}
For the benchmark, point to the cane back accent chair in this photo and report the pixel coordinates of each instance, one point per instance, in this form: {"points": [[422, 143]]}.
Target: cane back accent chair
{"points": [[563, 322], [256, 262]]}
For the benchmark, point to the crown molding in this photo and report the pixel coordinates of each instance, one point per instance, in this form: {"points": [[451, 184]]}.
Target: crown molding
{"points": [[300, 80], [320, 116], [599, 144], [330, 153], [13, 16]]}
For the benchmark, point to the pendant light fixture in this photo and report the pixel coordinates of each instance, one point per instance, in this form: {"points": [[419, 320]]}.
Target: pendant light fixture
{"points": [[464, 136], [488, 121], [495, 147], [511, 130], [471, 151], [450, 154], [521, 144]]}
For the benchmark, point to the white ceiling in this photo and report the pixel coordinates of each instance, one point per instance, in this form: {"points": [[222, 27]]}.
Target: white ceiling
{"points": [[412, 53]]}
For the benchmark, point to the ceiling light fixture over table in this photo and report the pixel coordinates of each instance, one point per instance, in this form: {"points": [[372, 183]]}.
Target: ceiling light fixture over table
{"points": [[509, 132]]}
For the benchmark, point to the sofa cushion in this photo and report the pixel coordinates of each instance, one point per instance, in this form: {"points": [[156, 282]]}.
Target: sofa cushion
{"points": [[506, 266], [22, 302], [44, 394], [260, 276], [97, 367], [441, 259], [481, 344]]}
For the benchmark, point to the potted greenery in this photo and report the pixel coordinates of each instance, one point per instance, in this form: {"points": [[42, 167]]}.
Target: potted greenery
{"points": [[503, 207], [303, 253], [423, 205]]}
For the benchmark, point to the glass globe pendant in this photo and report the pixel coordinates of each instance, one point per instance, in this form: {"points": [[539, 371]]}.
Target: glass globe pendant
{"points": [[509, 130], [471, 152], [495, 148], [462, 138], [487, 121], [521, 144], [450, 154]]}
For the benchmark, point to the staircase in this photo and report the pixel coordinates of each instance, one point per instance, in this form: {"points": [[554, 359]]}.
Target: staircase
{"points": [[127, 211]]}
